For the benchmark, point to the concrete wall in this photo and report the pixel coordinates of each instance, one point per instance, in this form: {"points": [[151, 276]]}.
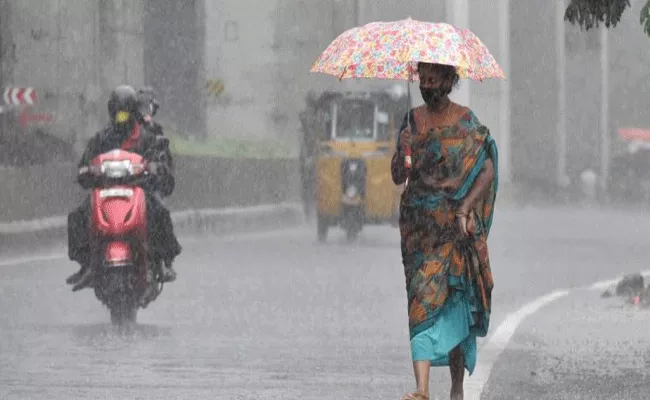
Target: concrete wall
{"points": [[44, 191], [73, 52]]}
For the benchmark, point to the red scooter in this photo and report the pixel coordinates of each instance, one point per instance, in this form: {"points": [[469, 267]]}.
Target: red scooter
{"points": [[125, 275]]}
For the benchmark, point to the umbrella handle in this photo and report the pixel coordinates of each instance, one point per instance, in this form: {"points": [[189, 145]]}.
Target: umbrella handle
{"points": [[407, 151], [408, 161], [408, 100]]}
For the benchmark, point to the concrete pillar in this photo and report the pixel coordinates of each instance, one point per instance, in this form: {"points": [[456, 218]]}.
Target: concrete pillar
{"points": [[200, 68], [121, 31], [457, 13], [505, 173], [175, 49]]}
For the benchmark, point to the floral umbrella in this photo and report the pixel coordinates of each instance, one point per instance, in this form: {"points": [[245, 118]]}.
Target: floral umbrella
{"points": [[391, 50]]}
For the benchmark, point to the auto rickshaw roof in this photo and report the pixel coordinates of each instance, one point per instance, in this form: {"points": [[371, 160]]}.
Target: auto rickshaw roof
{"points": [[379, 97], [355, 95]]}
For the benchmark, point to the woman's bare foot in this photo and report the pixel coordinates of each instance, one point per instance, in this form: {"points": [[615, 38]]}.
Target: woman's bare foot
{"points": [[416, 396], [457, 394]]}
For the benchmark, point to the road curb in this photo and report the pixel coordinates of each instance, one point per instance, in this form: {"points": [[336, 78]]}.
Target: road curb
{"points": [[238, 220], [52, 231]]}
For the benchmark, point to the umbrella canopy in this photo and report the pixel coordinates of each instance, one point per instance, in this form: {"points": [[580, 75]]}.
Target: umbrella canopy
{"points": [[391, 50]]}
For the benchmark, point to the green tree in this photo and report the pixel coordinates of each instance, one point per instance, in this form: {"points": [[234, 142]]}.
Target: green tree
{"points": [[589, 13]]}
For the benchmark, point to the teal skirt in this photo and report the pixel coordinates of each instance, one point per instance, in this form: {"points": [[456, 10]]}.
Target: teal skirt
{"points": [[452, 328]]}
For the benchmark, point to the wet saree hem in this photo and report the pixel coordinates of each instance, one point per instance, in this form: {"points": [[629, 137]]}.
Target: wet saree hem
{"points": [[452, 326], [460, 287]]}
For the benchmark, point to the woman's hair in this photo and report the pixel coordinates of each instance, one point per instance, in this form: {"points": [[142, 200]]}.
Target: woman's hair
{"points": [[447, 72]]}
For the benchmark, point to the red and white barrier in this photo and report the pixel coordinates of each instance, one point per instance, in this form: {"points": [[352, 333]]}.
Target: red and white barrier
{"points": [[20, 96]]}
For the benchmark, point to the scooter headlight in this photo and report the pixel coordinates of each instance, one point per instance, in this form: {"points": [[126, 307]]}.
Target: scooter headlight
{"points": [[117, 169]]}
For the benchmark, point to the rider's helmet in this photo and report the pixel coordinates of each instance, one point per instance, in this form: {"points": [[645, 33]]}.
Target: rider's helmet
{"points": [[123, 109]]}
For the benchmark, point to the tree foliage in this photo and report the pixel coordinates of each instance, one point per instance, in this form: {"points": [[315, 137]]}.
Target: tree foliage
{"points": [[589, 13], [645, 18]]}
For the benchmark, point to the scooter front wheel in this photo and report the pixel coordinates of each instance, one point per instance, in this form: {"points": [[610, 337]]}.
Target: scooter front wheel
{"points": [[123, 312]]}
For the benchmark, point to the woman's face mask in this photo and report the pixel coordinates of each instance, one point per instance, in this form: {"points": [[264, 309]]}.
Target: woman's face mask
{"points": [[433, 96], [433, 88]]}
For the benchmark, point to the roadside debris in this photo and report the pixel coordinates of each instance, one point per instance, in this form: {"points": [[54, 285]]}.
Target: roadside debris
{"points": [[630, 285], [632, 288]]}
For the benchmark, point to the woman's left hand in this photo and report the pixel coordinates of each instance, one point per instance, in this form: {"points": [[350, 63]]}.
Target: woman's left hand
{"points": [[462, 224], [466, 222]]}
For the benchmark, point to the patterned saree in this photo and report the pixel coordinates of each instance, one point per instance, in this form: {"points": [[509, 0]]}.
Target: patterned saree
{"points": [[448, 277]]}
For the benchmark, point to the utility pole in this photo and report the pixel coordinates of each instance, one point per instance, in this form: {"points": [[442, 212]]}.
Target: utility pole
{"points": [[560, 51], [605, 139], [505, 174]]}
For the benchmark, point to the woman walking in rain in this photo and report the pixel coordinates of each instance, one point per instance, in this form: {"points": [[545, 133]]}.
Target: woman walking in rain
{"points": [[449, 163]]}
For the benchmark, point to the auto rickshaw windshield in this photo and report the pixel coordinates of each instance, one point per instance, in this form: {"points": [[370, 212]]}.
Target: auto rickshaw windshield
{"points": [[354, 120]]}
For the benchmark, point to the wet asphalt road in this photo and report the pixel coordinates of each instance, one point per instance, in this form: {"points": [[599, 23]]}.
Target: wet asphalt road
{"points": [[278, 316]]}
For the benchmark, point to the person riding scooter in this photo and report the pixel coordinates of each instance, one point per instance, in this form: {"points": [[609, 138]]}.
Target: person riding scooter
{"points": [[148, 107], [126, 132]]}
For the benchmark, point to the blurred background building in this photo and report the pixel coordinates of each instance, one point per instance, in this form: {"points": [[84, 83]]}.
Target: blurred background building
{"points": [[240, 69]]}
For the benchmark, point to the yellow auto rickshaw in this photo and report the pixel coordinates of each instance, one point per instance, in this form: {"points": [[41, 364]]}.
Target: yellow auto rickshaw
{"points": [[356, 142]]}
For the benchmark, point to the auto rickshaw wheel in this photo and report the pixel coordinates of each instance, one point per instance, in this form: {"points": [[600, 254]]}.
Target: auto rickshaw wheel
{"points": [[352, 234], [322, 228], [352, 222]]}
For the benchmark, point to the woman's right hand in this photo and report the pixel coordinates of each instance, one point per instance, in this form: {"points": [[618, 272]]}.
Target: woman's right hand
{"points": [[405, 140], [400, 164]]}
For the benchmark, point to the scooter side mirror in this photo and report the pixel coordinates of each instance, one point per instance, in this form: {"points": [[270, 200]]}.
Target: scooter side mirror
{"points": [[154, 107]]}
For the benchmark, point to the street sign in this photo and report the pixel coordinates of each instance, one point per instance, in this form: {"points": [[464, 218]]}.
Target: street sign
{"points": [[20, 96]]}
